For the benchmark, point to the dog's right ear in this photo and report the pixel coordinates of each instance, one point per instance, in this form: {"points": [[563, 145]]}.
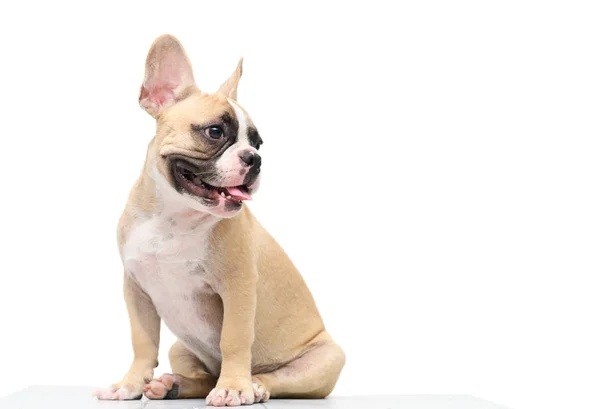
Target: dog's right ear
{"points": [[169, 77]]}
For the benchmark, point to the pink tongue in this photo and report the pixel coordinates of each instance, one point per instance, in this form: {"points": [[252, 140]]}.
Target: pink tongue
{"points": [[238, 194]]}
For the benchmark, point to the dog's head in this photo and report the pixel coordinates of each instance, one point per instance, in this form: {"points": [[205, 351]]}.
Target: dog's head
{"points": [[205, 152]]}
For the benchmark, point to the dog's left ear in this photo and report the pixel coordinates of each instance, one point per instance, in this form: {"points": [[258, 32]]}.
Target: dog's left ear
{"points": [[229, 87]]}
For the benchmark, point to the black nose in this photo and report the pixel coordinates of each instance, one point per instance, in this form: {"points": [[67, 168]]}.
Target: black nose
{"points": [[250, 158]]}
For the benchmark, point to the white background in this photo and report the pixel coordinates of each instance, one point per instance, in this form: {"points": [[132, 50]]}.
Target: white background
{"points": [[432, 169]]}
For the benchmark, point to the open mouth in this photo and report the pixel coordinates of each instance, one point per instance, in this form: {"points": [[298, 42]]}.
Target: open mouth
{"points": [[188, 177]]}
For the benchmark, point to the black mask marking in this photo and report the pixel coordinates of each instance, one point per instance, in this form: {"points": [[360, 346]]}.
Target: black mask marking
{"points": [[254, 138], [216, 147]]}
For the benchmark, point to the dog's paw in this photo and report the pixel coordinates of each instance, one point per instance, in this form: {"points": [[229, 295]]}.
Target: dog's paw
{"points": [[261, 394], [115, 392], [164, 387], [230, 397]]}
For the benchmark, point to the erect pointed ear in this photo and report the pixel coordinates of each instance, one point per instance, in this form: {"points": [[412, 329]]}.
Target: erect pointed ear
{"points": [[229, 87], [168, 78]]}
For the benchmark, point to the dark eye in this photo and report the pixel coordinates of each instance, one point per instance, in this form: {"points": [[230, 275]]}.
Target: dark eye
{"points": [[214, 132]]}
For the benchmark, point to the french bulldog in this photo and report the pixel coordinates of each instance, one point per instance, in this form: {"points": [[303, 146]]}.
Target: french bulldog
{"points": [[196, 258]]}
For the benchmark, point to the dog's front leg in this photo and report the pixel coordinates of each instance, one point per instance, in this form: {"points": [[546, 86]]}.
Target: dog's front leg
{"points": [[145, 336], [234, 386]]}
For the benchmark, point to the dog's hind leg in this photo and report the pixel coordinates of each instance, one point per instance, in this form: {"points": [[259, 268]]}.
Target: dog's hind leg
{"points": [[190, 378], [313, 375]]}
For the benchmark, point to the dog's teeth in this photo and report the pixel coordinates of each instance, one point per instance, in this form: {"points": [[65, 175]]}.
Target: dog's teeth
{"points": [[228, 196], [223, 194]]}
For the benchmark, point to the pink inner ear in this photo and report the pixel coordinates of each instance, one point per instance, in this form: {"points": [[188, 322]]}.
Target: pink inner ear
{"points": [[168, 74], [155, 97]]}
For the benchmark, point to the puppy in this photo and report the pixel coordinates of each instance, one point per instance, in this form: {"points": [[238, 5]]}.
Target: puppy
{"points": [[195, 257]]}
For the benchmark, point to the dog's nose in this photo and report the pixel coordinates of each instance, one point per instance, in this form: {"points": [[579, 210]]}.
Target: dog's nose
{"points": [[250, 158]]}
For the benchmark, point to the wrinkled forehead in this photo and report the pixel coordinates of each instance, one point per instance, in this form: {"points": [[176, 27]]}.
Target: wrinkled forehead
{"points": [[202, 109]]}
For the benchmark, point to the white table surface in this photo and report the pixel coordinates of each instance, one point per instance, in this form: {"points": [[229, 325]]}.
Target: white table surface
{"points": [[80, 397]]}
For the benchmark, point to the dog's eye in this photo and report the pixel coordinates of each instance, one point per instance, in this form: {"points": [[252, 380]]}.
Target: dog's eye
{"points": [[214, 132]]}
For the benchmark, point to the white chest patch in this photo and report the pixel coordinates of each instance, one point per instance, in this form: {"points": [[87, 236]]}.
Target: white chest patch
{"points": [[166, 254]]}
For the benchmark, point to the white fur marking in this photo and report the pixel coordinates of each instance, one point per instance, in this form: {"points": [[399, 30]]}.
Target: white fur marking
{"points": [[166, 254], [230, 158], [242, 122]]}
